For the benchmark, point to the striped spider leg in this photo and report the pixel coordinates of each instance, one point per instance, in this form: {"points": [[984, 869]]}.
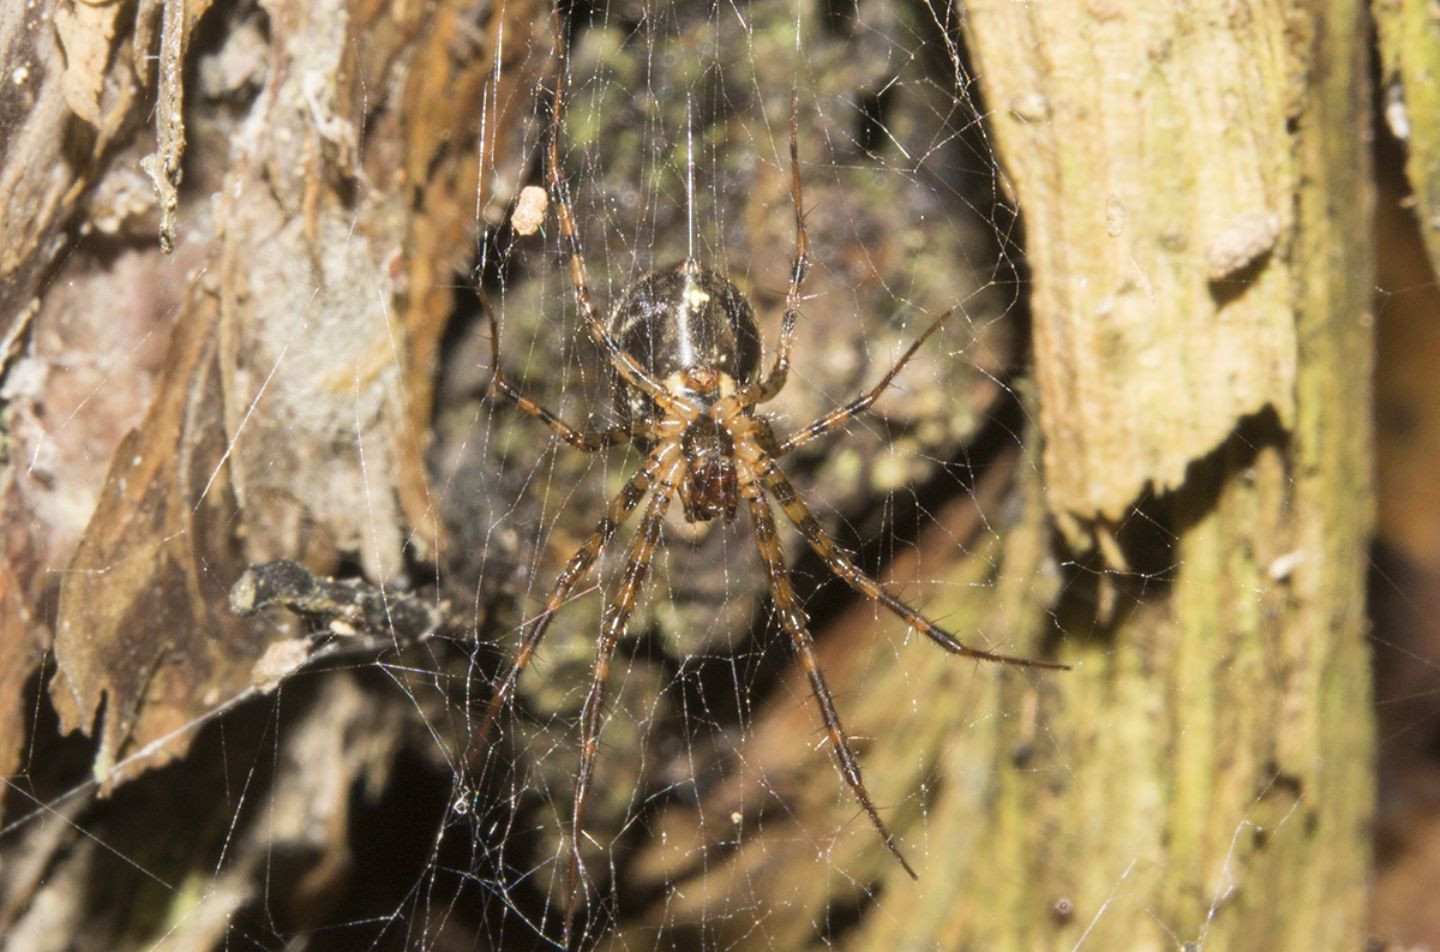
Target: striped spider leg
{"points": [[756, 451], [686, 356]]}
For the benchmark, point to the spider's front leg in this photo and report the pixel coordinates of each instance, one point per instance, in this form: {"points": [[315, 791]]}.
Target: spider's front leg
{"points": [[792, 619], [625, 365], [860, 404], [612, 629], [587, 440], [774, 381]]}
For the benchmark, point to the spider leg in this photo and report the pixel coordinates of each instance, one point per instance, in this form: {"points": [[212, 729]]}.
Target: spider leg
{"points": [[792, 618], [842, 565], [587, 440], [861, 403], [629, 369], [612, 628], [615, 516], [774, 382]]}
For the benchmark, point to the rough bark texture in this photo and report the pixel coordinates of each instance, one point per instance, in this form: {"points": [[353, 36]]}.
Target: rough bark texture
{"points": [[262, 391], [1148, 148], [1409, 37], [1219, 788]]}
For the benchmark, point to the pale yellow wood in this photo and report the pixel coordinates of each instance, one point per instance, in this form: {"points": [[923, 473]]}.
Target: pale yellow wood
{"points": [[1147, 147]]}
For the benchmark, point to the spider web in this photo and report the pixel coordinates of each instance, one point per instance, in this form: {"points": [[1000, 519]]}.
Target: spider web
{"points": [[711, 762], [360, 807]]}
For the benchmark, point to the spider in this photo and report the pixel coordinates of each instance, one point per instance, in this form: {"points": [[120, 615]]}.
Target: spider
{"points": [[687, 358]]}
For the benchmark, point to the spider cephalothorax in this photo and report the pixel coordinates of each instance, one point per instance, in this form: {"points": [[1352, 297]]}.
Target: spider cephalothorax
{"points": [[686, 355], [708, 488]]}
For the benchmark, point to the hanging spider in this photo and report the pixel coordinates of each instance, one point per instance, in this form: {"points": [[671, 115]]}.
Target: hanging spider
{"points": [[686, 354]]}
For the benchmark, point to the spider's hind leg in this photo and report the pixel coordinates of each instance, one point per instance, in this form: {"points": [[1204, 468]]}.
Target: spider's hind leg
{"points": [[792, 619], [840, 562], [612, 628]]}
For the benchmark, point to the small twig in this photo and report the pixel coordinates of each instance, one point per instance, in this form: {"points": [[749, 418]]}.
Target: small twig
{"points": [[354, 603], [164, 164]]}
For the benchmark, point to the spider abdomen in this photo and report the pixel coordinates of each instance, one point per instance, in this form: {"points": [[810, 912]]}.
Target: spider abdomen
{"points": [[686, 326]]}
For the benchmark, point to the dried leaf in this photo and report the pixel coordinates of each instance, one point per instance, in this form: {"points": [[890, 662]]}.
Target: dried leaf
{"points": [[87, 32], [141, 622]]}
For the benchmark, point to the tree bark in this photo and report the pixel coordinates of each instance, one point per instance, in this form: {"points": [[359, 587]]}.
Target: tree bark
{"points": [[1207, 772], [1175, 502]]}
